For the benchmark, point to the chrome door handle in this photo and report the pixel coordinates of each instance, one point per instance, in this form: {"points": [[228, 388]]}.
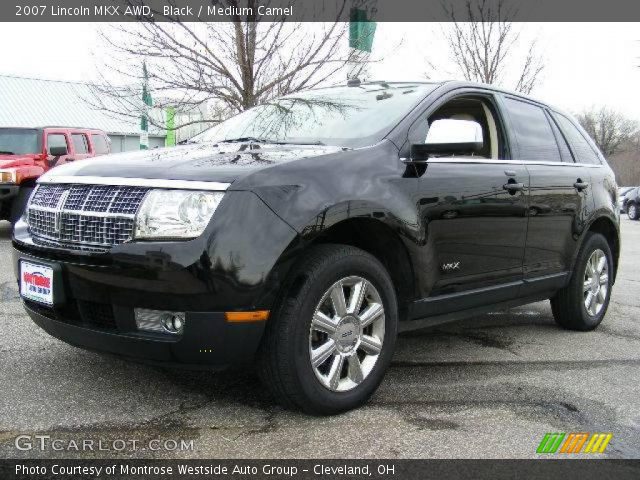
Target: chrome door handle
{"points": [[513, 187]]}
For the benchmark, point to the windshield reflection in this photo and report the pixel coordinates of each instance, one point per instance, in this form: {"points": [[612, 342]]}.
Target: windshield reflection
{"points": [[343, 116]]}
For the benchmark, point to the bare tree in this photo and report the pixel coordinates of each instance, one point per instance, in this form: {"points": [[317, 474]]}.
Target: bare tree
{"points": [[236, 64], [483, 45], [612, 131]]}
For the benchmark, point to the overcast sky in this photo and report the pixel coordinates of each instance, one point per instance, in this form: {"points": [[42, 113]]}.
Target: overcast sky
{"points": [[586, 63]]}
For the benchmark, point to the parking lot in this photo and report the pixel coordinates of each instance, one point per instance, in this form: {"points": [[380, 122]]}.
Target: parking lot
{"points": [[488, 387]]}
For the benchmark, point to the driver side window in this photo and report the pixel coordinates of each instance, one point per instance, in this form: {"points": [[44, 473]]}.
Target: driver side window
{"points": [[451, 130], [468, 121]]}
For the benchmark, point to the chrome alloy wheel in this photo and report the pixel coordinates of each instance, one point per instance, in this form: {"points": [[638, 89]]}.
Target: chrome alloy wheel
{"points": [[346, 335], [596, 282]]}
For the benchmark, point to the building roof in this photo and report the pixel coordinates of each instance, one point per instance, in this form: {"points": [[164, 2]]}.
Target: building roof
{"points": [[31, 102]]}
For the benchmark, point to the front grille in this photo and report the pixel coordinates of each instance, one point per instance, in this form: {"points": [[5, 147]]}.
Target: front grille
{"points": [[97, 314], [79, 312], [85, 217]]}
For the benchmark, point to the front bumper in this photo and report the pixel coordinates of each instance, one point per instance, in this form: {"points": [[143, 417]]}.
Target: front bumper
{"points": [[93, 313], [7, 193], [96, 317], [208, 341]]}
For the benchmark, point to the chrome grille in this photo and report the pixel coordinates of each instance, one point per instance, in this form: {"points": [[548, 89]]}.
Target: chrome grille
{"points": [[95, 216]]}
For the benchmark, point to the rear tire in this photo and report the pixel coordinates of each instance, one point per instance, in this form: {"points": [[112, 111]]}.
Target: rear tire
{"points": [[322, 309], [632, 211], [583, 303]]}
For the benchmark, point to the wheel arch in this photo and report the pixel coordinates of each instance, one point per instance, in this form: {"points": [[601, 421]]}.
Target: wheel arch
{"points": [[609, 230], [382, 242]]}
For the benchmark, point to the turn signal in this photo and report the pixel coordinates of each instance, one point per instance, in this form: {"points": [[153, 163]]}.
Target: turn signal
{"points": [[239, 317]]}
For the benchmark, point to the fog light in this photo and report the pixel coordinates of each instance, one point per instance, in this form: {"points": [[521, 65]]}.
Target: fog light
{"points": [[173, 322], [159, 321]]}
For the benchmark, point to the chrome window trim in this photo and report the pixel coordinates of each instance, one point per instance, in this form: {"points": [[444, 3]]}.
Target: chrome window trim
{"points": [[136, 182], [511, 162]]}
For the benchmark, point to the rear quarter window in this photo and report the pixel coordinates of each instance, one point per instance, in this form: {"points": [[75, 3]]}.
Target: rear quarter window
{"points": [[582, 149], [533, 132]]}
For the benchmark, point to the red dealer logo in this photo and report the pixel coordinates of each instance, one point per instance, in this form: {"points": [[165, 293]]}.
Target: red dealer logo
{"points": [[36, 279]]}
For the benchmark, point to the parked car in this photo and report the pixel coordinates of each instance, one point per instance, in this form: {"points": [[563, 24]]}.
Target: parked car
{"points": [[302, 235], [631, 203], [27, 153], [621, 193]]}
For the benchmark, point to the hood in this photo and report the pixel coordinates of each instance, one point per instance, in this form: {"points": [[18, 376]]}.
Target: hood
{"points": [[221, 162], [12, 161]]}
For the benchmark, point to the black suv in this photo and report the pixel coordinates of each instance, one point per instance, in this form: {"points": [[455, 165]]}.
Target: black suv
{"points": [[631, 203], [305, 233]]}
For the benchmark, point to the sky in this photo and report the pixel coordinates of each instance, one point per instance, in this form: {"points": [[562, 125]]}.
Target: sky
{"points": [[587, 64]]}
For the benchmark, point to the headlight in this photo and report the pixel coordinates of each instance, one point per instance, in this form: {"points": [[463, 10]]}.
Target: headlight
{"points": [[175, 213], [7, 176]]}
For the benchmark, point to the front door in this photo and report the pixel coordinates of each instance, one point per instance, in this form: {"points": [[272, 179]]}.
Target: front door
{"points": [[473, 211], [57, 139]]}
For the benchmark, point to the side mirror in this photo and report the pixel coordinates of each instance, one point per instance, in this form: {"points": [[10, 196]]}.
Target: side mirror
{"points": [[449, 137], [58, 151], [421, 152]]}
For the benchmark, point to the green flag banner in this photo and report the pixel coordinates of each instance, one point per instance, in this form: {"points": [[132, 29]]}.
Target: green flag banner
{"points": [[361, 30], [170, 139]]}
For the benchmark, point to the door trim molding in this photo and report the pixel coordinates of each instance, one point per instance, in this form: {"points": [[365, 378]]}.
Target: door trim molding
{"points": [[510, 162]]}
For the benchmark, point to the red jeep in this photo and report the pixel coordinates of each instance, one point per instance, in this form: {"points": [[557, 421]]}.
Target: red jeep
{"points": [[27, 153]]}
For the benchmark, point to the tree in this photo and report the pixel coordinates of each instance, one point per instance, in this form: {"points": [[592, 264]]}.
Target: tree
{"points": [[612, 131], [237, 64], [483, 45]]}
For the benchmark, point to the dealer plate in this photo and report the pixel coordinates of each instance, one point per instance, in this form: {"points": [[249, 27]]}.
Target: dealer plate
{"points": [[36, 282]]}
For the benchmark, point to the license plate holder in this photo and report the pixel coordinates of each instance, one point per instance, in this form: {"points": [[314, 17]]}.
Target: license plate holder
{"points": [[37, 282]]}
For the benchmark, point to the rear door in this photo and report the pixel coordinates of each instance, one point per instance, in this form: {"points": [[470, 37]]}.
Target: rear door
{"points": [[558, 194]]}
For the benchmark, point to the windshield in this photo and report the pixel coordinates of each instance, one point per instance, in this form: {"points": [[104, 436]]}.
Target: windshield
{"points": [[344, 116], [19, 141]]}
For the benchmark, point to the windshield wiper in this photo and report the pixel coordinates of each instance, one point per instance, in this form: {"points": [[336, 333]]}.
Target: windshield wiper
{"points": [[6, 152], [267, 140], [249, 139]]}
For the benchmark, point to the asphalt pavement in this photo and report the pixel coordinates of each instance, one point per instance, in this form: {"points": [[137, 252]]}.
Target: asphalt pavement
{"points": [[487, 387]]}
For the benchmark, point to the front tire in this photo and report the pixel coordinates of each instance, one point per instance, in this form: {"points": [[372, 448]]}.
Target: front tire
{"points": [[331, 339], [632, 211], [583, 303]]}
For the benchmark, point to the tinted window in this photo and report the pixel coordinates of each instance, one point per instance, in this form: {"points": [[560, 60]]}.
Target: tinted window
{"points": [[583, 151], [565, 152], [56, 140], [532, 131], [80, 143], [100, 144]]}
